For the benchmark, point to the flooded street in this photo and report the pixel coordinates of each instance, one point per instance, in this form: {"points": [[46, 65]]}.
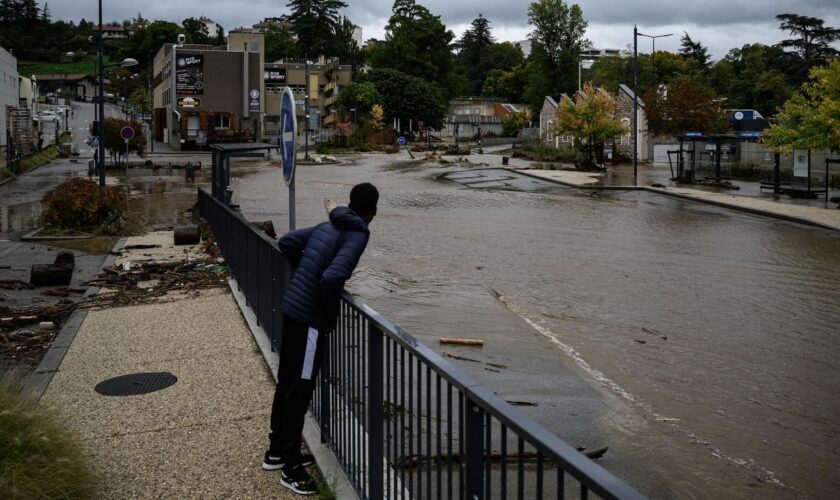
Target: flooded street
{"points": [[698, 343]]}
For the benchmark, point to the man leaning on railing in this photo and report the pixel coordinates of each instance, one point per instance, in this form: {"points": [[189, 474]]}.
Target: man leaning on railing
{"points": [[324, 257]]}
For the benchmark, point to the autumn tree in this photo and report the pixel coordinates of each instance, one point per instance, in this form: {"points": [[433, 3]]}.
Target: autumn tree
{"points": [[590, 118], [811, 118], [683, 106]]}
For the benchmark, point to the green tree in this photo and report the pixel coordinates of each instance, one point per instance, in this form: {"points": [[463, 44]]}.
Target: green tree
{"points": [[280, 44], [196, 31], [558, 39], [589, 119], [694, 50], [347, 49], [505, 56], [811, 118], [314, 23], [416, 43], [473, 59], [145, 43], [409, 98], [360, 95], [115, 144], [812, 38], [756, 76], [512, 124]]}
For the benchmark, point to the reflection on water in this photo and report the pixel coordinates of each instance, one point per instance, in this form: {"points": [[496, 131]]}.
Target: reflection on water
{"points": [[722, 325]]}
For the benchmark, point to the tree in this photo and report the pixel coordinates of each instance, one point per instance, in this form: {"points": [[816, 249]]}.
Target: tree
{"points": [[473, 52], [683, 106], [416, 43], [757, 77], [115, 144], [314, 23], [409, 98], [505, 56], [347, 49], [280, 44], [695, 51], [589, 119], [811, 118], [813, 39], [559, 31], [141, 99], [196, 31], [145, 43], [512, 124], [360, 95]]}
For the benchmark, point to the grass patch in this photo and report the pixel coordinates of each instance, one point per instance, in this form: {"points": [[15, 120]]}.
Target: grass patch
{"points": [[5, 173], [326, 488], [42, 157], [85, 66], [39, 458], [541, 152]]}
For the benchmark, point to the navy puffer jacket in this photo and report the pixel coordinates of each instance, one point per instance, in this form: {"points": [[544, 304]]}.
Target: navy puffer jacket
{"points": [[325, 256]]}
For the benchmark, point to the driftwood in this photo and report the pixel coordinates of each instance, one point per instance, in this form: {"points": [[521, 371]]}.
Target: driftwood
{"points": [[139, 247], [15, 284], [187, 235], [470, 342]]}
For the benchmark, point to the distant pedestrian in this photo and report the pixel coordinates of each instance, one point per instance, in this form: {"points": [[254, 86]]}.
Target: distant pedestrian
{"points": [[189, 172], [324, 257]]}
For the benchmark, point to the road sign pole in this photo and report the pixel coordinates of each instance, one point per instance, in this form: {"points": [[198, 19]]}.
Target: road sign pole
{"points": [[288, 150], [292, 206]]}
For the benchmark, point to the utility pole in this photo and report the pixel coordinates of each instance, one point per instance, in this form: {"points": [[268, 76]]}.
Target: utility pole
{"points": [[306, 106], [635, 103], [101, 131]]}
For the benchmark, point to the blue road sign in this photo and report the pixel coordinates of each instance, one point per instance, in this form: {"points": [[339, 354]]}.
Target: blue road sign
{"points": [[94, 141], [288, 135], [401, 141]]}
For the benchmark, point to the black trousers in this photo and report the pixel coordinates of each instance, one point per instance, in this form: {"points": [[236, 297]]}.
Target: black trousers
{"points": [[301, 351]]}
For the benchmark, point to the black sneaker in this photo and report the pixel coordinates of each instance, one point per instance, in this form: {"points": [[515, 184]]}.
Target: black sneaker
{"points": [[274, 463], [295, 478]]}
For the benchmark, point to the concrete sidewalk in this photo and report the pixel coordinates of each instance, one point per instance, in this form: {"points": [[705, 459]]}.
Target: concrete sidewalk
{"points": [[825, 217], [202, 437]]}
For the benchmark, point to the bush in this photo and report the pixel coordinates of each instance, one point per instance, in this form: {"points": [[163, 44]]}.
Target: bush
{"points": [[38, 457], [82, 204]]}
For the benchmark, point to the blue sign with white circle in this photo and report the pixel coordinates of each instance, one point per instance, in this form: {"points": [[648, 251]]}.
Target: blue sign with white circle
{"points": [[288, 135], [401, 141]]}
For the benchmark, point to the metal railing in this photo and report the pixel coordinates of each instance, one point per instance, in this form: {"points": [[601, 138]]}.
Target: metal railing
{"points": [[402, 421]]}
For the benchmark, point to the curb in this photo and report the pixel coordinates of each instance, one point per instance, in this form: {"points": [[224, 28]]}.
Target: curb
{"points": [[324, 458], [684, 197], [40, 379]]}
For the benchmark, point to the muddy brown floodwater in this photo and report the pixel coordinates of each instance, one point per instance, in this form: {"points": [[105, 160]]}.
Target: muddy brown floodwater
{"points": [[709, 336]]}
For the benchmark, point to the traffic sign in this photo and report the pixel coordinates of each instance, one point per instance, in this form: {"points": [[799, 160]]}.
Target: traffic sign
{"points": [[94, 141], [127, 133], [401, 141], [288, 135]]}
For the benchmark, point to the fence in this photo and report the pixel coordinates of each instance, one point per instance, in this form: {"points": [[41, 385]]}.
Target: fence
{"points": [[402, 421]]}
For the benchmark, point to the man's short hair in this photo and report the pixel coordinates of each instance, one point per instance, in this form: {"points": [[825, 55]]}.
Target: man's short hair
{"points": [[363, 198]]}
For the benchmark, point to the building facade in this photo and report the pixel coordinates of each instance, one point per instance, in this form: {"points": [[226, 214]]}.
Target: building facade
{"points": [[321, 81], [9, 89], [624, 112], [205, 94]]}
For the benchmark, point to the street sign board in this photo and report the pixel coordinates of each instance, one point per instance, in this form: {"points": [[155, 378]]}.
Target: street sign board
{"points": [[401, 141], [94, 141], [127, 133], [288, 135]]}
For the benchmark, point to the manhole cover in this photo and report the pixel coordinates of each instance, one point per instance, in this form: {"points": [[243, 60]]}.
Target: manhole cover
{"points": [[135, 383]]}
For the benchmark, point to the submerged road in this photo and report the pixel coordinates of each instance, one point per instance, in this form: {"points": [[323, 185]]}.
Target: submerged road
{"points": [[696, 342]]}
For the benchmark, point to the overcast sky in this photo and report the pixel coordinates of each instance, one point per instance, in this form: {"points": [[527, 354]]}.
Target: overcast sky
{"points": [[718, 24]]}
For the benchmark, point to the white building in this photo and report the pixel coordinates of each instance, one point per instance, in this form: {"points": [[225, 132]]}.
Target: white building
{"points": [[9, 89], [357, 35], [213, 28]]}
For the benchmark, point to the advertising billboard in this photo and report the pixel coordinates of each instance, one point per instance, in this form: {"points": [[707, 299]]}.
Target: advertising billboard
{"points": [[189, 75]]}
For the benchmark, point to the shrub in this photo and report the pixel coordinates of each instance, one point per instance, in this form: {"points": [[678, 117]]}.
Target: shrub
{"points": [[38, 457], [82, 204]]}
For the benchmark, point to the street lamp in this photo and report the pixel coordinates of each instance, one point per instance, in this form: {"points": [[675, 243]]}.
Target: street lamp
{"points": [[636, 36], [584, 64]]}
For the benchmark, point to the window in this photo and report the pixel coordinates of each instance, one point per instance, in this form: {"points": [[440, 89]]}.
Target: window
{"points": [[625, 138], [221, 121]]}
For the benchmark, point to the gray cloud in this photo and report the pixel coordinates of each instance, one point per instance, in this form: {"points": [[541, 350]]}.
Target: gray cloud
{"points": [[719, 24]]}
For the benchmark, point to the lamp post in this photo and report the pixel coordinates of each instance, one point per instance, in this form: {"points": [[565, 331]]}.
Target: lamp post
{"points": [[636, 36], [583, 64]]}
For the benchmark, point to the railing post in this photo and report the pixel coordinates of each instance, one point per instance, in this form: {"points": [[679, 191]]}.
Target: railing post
{"points": [[324, 379], [375, 416], [474, 450]]}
